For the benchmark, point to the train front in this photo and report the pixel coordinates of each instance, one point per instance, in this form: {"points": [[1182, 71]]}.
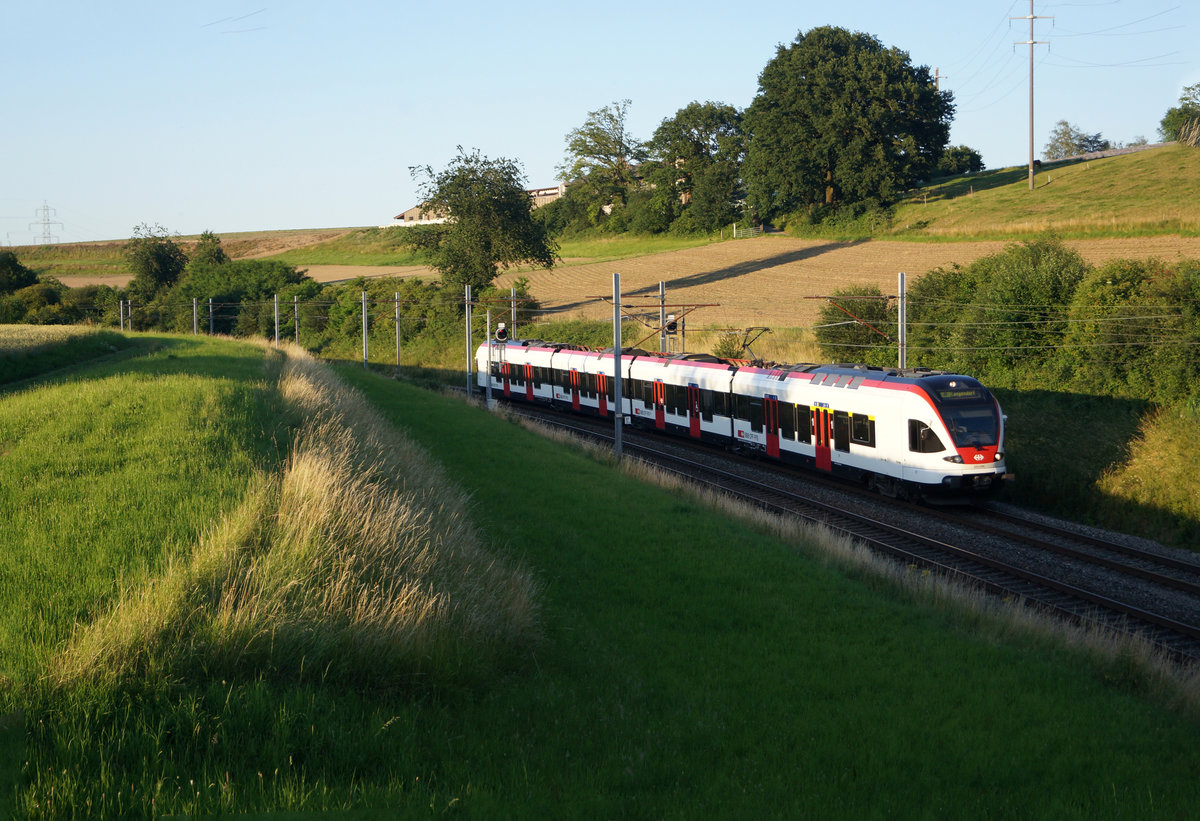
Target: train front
{"points": [[975, 425]]}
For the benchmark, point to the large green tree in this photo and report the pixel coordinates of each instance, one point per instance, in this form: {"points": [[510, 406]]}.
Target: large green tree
{"points": [[1179, 116], [155, 259], [603, 157], [841, 119], [489, 220], [698, 156]]}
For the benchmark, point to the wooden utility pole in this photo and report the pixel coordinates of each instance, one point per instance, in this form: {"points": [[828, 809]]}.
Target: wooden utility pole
{"points": [[1031, 17]]}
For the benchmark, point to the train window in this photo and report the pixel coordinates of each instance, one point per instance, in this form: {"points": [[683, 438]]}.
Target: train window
{"points": [[862, 429], [787, 420], [922, 439], [722, 404], [708, 404], [841, 431], [755, 414], [676, 400], [803, 423]]}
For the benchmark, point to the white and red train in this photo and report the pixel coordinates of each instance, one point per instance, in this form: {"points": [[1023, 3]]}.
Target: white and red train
{"points": [[913, 432]]}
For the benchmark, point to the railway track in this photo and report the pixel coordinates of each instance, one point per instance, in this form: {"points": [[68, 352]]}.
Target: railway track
{"points": [[1084, 578]]}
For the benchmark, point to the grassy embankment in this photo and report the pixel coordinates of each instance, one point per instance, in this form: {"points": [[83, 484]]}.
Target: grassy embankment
{"points": [[689, 664], [1148, 193], [66, 260], [181, 552]]}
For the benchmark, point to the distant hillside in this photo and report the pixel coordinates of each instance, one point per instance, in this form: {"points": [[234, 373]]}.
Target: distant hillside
{"points": [[1148, 193]]}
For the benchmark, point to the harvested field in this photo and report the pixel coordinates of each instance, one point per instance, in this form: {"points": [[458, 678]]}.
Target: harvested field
{"points": [[769, 280], [765, 281]]}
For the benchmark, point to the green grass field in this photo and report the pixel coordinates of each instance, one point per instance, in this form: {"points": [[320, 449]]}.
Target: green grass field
{"points": [[1148, 193], [28, 350], [689, 665]]}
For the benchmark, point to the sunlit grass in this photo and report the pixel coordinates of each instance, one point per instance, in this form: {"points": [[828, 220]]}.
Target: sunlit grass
{"points": [[107, 477], [599, 249], [1148, 193], [359, 563], [29, 350], [1155, 483]]}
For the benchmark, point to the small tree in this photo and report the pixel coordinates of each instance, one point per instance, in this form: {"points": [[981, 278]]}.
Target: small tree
{"points": [[208, 251], [1178, 117], [959, 159], [155, 259], [1068, 141], [490, 221]]}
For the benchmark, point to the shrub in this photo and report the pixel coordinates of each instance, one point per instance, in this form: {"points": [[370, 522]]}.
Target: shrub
{"points": [[857, 327], [14, 275]]}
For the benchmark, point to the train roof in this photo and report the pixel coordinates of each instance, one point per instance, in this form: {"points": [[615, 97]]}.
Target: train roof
{"points": [[774, 369]]}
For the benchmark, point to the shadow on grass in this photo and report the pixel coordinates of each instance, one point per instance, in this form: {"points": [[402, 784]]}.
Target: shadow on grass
{"points": [[954, 187], [709, 277]]}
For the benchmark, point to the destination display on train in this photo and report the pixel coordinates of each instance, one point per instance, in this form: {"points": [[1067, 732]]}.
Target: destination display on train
{"points": [[952, 394]]}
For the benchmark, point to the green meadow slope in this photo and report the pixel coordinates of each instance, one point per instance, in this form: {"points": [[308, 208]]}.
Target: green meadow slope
{"points": [[1146, 193], [686, 663]]}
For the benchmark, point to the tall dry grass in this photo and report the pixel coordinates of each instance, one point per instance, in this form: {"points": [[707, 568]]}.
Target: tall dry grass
{"points": [[358, 563]]}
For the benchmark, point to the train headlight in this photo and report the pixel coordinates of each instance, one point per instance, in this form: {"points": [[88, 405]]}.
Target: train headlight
{"points": [[999, 457], [956, 459]]}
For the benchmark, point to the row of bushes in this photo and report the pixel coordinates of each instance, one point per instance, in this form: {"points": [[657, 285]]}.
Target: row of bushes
{"points": [[243, 293], [1037, 315]]}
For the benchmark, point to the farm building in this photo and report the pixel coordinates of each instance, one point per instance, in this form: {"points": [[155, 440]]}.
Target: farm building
{"points": [[413, 215]]}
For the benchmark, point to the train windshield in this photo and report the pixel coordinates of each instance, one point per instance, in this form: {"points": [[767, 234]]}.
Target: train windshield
{"points": [[969, 412], [972, 426]]}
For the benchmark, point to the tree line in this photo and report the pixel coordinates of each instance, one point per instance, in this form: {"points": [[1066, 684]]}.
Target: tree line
{"points": [[1037, 316], [840, 121], [176, 285]]}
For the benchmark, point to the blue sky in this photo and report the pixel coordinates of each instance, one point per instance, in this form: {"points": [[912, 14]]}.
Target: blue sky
{"points": [[245, 115]]}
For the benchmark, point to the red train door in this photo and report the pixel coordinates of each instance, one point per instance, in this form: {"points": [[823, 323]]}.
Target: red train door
{"points": [[602, 392], [529, 381], [771, 424], [660, 403], [504, 377], [693, 400], [574, 390], [822, 428]]}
